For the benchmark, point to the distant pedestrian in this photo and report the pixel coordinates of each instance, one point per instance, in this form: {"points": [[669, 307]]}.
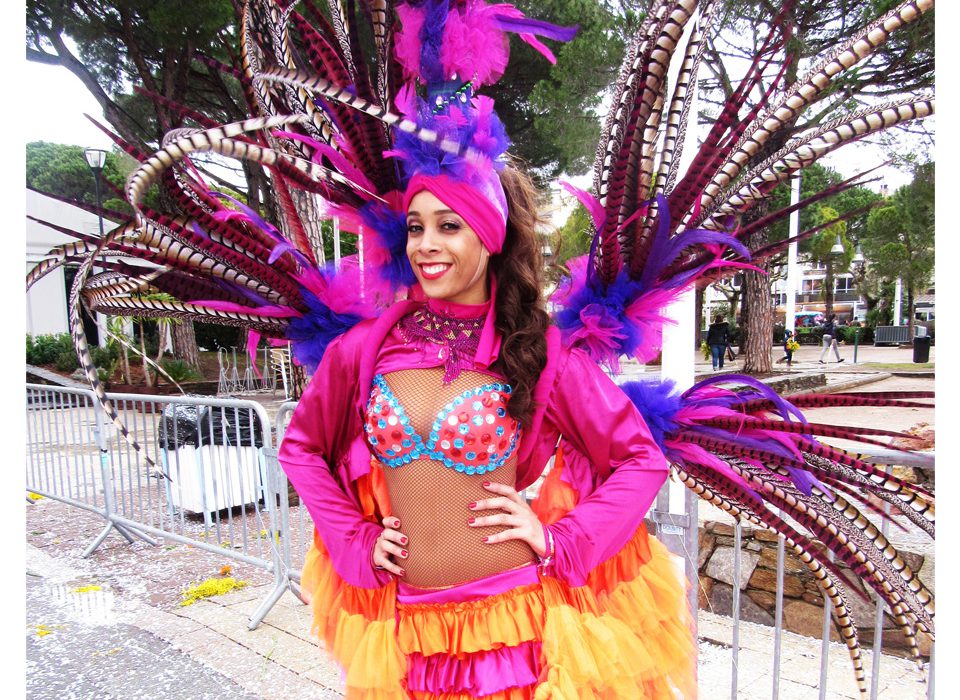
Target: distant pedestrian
{"points": [[830, 339], [790, 345], [718, 336]]}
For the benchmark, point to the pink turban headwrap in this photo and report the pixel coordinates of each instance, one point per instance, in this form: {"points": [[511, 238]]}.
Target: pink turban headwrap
{"points": [[486, 214]]}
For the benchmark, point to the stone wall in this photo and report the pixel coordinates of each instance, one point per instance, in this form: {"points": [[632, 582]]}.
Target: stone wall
{"points": [[802, 599]]}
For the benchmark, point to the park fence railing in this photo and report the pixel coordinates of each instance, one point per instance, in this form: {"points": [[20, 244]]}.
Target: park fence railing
{"points": [[216, 484]]}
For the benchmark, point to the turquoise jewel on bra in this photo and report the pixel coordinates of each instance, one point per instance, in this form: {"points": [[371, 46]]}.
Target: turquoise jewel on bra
{"points": [[472, 434]]}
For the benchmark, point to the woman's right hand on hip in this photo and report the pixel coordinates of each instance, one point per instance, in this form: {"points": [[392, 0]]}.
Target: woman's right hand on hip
{"points": [[390, 547]]}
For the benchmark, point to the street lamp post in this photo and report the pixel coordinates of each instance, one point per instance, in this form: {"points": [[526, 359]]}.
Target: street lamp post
{"points": [[96, 158], [859, 266]]}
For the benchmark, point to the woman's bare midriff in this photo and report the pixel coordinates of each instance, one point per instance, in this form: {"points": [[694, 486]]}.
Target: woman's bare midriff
{"points": [[431, 499]]}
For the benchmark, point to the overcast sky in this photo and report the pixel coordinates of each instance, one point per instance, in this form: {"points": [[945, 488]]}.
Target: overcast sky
{"points": [[57, 106]]}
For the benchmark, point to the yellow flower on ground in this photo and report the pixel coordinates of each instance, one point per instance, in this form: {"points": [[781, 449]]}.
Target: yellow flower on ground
{"points": [[209, 588], [86, 589]]}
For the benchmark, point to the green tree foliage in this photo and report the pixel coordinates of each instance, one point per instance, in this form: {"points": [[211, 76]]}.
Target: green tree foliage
{"points": [[569, 241], [551, 111], [814, 179], [150, 43], [821, 246], [61, 170], [821, 243], [900, 235], [903, 64], [159, 44]]}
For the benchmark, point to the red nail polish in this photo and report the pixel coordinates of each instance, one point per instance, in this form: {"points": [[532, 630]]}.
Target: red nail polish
{"points": [[486, 483], [471, 521], [403, 572], [403, 552], [473, 504], [403, 540], [484, 539]]}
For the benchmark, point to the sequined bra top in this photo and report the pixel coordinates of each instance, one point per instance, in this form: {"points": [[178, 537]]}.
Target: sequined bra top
{"points": [[473, 433]]}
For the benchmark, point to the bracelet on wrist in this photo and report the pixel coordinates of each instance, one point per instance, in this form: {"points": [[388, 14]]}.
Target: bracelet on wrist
{"points": [[547, 559]]}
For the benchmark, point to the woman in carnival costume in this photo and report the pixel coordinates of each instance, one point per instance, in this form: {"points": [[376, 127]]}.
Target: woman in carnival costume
{"points": [[461, 590], [429, 575]]}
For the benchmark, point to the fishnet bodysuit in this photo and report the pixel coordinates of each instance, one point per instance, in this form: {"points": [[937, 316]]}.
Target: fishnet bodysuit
{"points": [[431, 499]]}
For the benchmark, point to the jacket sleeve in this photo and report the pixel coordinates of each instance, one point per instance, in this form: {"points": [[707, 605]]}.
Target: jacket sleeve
{"points": [[626, 468], [321, 430]]}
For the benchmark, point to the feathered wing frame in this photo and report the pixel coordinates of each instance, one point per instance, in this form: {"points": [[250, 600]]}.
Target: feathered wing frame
{"points": [[325, 107]]}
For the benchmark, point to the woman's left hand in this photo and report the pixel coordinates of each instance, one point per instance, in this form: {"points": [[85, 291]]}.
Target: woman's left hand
{"points": [[514, 513]]}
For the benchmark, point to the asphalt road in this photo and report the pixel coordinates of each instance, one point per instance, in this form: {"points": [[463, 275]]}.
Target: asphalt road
{"points": [[79, 647]]}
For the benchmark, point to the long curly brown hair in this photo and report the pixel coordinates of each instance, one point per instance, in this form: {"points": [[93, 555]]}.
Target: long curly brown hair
{"points": [[521, 318]]}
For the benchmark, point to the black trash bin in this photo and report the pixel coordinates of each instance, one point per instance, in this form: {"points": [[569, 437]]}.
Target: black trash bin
{"points": [[186, 425], [921, 349], [211, 455]]}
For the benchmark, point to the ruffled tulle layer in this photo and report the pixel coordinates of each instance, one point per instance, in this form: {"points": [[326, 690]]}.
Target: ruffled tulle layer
{"points": [[625, 635]]}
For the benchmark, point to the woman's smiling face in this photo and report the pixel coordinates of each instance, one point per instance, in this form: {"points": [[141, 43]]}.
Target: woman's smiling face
{"points": [[447, 257]]}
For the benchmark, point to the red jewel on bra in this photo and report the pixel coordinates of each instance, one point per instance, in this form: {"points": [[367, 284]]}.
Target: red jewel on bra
{"points": [[463, 435]]}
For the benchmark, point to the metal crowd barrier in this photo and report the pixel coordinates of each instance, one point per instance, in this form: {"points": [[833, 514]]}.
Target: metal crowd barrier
{"points": [[891, 335], [299, 525], [76, 457], [879, 457], [212, 485]]}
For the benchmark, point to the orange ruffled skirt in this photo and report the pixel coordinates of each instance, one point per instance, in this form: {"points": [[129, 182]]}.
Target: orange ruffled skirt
{"points": [[626, 634]]}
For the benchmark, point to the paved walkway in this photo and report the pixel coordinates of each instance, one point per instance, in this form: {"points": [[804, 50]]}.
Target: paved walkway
{"points": [[133, 635]]}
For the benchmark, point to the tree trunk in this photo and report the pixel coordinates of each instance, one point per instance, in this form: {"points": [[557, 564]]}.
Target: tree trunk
{"points": [[828, 288], [742, 316], [147, 376], [307, 208], [698, 317], [758, 323], [125, 365], [185, 343]]}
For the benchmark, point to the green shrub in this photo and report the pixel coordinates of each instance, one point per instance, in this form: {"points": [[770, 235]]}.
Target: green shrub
{"points": [[849, 335], [735, 335], [67, 361], [779, 330], [104, 358], [46, 349], [180, 371]]}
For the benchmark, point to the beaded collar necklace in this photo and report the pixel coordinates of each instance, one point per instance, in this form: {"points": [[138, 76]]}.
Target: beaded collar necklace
{"points": [[457, 337]]}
